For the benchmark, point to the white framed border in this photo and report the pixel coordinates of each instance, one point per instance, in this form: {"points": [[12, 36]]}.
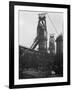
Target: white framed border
{"points": [[18, 81]]}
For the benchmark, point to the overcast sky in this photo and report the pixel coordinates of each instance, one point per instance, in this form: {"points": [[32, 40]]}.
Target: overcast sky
{"points": [[28, 21]]}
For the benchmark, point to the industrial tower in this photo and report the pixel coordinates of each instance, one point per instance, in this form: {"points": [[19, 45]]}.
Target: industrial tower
{"points": [[52, 44], [41, 39]]}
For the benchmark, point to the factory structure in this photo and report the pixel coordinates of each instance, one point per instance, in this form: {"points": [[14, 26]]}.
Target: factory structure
{"points": [[44, 57], [41, 38]]}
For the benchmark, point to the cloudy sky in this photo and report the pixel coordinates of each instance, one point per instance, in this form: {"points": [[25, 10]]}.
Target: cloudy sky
{"points": [[28, 21]]}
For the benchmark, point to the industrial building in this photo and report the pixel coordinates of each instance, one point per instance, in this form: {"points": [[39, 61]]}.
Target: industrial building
{"points": [[41, 61]]}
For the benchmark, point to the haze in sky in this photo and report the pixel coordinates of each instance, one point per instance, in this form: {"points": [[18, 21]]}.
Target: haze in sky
{"points": [[28, 21]]}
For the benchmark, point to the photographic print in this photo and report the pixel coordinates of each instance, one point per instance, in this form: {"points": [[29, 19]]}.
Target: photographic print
{"points": [[40, 44]]}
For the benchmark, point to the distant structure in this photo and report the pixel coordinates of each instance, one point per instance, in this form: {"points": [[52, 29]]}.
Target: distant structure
{"points": [[59, 44], [41, 39], [52, 44]]}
